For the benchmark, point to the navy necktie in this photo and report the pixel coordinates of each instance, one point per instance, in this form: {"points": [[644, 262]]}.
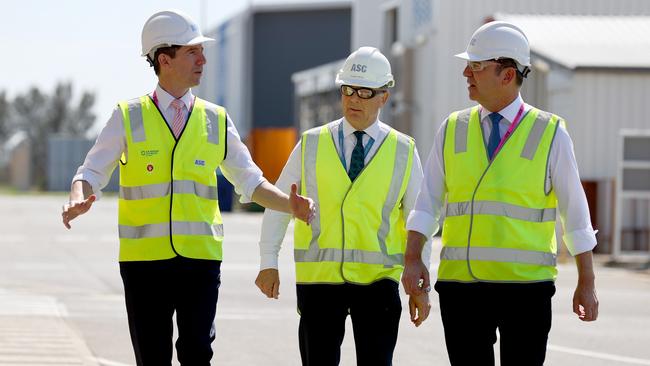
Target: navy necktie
{"points": [[495, 137], [356, 160]]}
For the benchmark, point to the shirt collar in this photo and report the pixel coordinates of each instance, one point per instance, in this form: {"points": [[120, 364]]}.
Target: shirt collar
{"points": [[509, 112], [165, 99], [372, 130]]}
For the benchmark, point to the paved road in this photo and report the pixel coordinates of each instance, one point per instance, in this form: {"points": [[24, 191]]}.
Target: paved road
{"points": [[61, 300]]}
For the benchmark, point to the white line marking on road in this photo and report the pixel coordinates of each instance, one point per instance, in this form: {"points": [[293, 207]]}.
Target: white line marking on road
{"points": [[105, 362], [602, 356]]}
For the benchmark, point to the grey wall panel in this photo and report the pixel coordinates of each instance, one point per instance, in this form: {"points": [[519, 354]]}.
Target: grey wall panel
{"points": [[287, 42], [65, 155]]}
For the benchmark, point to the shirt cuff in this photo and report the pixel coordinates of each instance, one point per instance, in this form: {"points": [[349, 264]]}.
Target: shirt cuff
{"points": [[268, 260], [580, 241], [422, 222], [249, 188], [93, 183]]}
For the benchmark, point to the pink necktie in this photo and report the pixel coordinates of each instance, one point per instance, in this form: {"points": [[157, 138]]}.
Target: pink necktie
{"points": [[177, 122]]}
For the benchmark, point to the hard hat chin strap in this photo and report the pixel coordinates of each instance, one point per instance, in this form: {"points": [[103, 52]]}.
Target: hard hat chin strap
{"points": [[524, 73]]}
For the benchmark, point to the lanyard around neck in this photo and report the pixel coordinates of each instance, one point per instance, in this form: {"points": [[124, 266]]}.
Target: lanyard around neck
{"points": [[366, 149]]}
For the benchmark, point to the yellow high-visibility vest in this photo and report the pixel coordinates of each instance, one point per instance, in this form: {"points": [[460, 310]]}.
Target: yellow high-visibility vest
{"points": [[500, 215], [168, 203], [358, 235]]}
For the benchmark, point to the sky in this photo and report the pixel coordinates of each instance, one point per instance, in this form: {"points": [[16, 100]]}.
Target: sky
{"points": [[94, 44]]}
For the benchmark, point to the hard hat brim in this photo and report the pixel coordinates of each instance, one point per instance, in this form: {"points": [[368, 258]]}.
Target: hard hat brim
{"points": [[471, 57], [191, 42], [359, 82]]}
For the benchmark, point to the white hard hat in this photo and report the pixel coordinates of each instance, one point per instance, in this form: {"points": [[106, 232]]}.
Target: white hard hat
{"points": [[170, 28], [496, 40], [366, 67]]}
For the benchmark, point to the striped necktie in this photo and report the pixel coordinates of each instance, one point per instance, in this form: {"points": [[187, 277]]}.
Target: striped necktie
{"points": [[177, 123]]}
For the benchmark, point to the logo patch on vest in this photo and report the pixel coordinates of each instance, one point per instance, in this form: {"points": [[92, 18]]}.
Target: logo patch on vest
{"points": [[149, 167], [199, 162], [148, 152]]}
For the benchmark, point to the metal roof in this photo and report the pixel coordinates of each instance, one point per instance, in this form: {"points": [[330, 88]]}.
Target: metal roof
{"points": [[576, 41]]}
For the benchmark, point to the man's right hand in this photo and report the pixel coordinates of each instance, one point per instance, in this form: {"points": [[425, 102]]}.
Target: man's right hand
{"points": [[75, 208], [419, 308], [268, 281]]}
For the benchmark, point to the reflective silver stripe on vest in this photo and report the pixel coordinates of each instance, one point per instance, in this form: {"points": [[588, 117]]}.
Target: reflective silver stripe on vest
{"points": [[535, 135], [178, 228], [501, 209], [399, 171], [499, 255], [460, 133], [311, 149], [144, 192], [162, 190], [212, 125], [192, 187], [135, 120], [347, 255]]}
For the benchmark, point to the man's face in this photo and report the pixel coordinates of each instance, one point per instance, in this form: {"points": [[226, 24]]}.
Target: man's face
{"points": [[484, 85], [187, 67], [361, 113]]}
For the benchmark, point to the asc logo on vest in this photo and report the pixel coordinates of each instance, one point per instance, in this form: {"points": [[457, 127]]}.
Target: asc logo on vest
{"points": [[359, 68]]}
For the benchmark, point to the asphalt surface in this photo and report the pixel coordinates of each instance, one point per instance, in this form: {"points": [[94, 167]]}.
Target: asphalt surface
{"points": [[61, 300]]}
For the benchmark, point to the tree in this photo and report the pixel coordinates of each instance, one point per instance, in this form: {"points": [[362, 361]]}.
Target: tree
{"points": [[41, 115]]}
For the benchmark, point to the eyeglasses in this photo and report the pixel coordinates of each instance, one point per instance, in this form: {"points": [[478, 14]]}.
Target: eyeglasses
{"points": [[477, 66], [363, 93]]}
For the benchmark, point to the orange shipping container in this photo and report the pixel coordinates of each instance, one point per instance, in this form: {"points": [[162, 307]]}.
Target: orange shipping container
{"points": [[270, 148]]}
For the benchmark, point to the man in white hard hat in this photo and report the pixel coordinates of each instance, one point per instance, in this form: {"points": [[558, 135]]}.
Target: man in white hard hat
{"points": [[363, 176], [169, 144], [500, 171]]}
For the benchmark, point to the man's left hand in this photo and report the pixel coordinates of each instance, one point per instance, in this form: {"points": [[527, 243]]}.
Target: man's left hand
{"points": [[302, 207]]}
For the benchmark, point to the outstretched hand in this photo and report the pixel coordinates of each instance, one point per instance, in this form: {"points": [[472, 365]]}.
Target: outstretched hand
{"points": [[302, 207], [73, 209]]}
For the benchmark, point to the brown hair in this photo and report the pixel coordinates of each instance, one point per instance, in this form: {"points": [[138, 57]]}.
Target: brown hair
{"points": [[169, 51]]}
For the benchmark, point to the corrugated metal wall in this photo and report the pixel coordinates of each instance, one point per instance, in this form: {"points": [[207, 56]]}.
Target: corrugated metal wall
{"points": [[605, 102], [64, 156]]}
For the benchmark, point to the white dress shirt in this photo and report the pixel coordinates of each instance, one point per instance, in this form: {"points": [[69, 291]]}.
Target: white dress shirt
{"points": [[578, 234], [274, 224], [238, 166]]}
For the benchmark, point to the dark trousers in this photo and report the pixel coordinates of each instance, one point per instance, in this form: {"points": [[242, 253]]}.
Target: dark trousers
{"points": [[472, 312], [154, 291], [375, 310]]}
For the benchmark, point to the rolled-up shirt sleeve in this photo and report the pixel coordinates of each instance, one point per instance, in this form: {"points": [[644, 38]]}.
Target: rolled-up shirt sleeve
{"points": [[238, 166], [102, 158], [578, 233]]}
